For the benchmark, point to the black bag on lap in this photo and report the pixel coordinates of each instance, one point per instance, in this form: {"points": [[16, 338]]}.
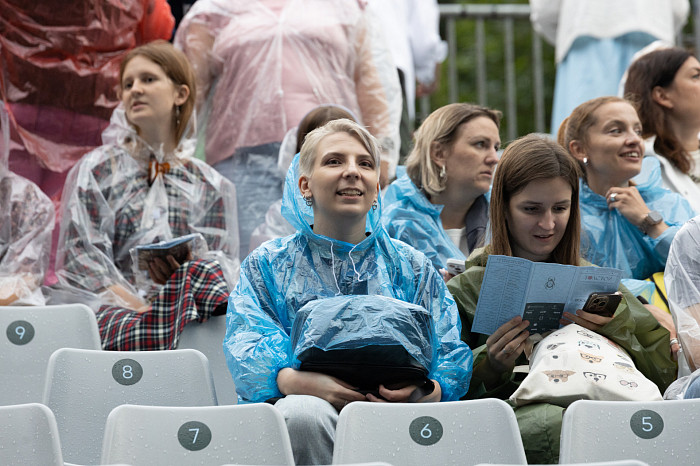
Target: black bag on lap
{"points": [[366, 341]]}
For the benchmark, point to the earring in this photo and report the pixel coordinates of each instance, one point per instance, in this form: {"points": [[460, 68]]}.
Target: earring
{"points": [[375, 205], [177, 115], [309, 201], [443, 175], [585, 161]]}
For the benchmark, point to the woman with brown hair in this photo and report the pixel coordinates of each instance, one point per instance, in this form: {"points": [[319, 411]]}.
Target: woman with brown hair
{"points": [[144, 187], [664, 86], [626, 225], [439, 206], [534, 213]]}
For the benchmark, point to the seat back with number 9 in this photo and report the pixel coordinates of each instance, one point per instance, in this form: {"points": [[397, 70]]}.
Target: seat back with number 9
{"points": [[455, 432], [83, 386], [30, 336], [656, 432]]}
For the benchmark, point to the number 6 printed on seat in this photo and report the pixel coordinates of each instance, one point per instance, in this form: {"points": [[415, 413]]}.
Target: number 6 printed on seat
{"points": [[656, 432], [454, 432], [83, 386]]}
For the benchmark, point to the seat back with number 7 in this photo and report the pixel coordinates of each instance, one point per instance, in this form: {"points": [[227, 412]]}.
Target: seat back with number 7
{"points": [[155, 435], [456, 432], [656, 432], [83, 386]]}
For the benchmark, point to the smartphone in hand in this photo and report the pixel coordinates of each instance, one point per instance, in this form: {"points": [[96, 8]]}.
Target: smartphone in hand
{"points": [[455, 266], [603, 304]]}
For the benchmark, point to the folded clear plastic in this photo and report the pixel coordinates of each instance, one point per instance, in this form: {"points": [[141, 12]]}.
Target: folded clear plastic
{"points": [[26, 224], [261, 66], [682, 280], [353, 322], [608, 239], [284, 274], [59, 68], [110, 206]]}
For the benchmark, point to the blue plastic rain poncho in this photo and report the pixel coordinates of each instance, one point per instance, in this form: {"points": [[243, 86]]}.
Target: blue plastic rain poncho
{"points": [[284, 274], [410, 217], [609, 240]]}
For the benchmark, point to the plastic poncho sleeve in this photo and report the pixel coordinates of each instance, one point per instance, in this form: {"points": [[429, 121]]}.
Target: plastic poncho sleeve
{"points": [[609, 239], [85, 257], [257, 344], [26, 224], [682, 280], [455, 360], [378, 90], [632, 327]]}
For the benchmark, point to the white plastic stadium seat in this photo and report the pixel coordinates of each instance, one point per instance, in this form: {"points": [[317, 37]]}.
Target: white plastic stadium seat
{"points": [[28, 435], [30, 334], [208, 337], [657, 432], [83, 386], [458, 432], [211, 435]]}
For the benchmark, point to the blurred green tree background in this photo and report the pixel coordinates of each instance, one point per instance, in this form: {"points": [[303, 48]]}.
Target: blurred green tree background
{"points": [[495, 68]]}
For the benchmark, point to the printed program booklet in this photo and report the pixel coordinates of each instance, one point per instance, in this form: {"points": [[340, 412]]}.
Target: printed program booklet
{"points": [[178, 248], [538, 291]]}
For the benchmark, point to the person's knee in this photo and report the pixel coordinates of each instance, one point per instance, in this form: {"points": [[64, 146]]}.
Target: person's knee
{"points": [[305, 414]]}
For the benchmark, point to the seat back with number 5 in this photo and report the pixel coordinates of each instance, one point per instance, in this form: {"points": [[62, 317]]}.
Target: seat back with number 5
{"points": [[656, 432], [83, 386], [454, 432], [30, 335], [244, 434]]}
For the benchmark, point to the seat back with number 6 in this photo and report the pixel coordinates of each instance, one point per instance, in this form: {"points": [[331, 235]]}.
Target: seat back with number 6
{"points": [[30, 335], [656, 432], [154, 435], [455, 432], [83, 386]]}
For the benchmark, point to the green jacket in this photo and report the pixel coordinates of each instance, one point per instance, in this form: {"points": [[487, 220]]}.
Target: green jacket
{"points": [[632, 327]]}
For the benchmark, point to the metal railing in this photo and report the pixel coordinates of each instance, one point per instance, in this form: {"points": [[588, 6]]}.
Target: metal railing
{"points": [[504, 17]]}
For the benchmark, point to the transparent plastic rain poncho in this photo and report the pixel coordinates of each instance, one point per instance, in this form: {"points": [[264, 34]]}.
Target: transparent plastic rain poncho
{"points": [[59, 68], [284, 274], [682, 280], [412, 218], [609, 240], [26, 223], [262, 65], [109, 208]]}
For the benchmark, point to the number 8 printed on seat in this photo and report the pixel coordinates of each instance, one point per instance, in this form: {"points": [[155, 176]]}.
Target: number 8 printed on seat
{"points": [[83, 386]]}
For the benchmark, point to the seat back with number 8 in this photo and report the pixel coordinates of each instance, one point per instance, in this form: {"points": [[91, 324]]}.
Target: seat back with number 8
{"points": [[30, 336], [83, 386], [656, 432], [454, 432]]}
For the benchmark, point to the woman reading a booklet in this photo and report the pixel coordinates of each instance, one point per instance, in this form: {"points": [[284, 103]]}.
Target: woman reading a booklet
{"points": [[339, 252], [144, 186], [534, 215]]}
